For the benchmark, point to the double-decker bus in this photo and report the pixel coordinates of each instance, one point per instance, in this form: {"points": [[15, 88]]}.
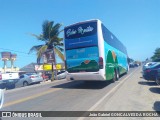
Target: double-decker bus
{"points": [[93, 52]]}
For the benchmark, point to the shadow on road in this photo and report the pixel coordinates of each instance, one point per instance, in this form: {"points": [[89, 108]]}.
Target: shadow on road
{"points": [[149, 83], [83, 85], [155, 90], [156, 106]]}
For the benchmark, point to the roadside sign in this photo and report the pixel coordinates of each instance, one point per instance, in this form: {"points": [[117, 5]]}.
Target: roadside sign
{"points": [[47, 67], [38, 67], [49, 56], [58, 66]]}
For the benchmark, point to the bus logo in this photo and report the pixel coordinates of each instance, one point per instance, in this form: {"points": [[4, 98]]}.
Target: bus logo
{"points": [[86, 61], [80, 30]]}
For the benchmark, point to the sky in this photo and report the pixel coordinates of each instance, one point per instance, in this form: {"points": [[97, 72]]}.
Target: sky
{"points": [[136, 23]]}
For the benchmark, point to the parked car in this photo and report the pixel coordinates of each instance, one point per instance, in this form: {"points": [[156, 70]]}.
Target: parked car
{"points": [[148, 64], [131, 65], [10, 83], [136, 65], [9, 75], [150, 72], [2, 84], [158, 77], [61, 75], [28, 79]]}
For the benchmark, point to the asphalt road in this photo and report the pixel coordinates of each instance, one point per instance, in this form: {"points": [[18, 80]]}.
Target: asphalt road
{"points": [[130, 93]]}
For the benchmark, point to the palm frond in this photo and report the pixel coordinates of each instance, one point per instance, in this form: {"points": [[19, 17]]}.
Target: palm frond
{"points": [[59, 44], [61, 30], [60, 48], [59, 54], [35, 48], [57, 27], [55, 30], [55, 40], [40, 52], [43, 49], [46, 29], [39, 37]]}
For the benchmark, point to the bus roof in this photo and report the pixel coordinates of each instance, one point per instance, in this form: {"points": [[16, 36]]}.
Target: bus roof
{"points": [[92, 20]]}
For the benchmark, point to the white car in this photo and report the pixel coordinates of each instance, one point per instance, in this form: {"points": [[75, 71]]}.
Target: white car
{"points": [[61, 75], [150, 63], [10, 75], [27, 79]]}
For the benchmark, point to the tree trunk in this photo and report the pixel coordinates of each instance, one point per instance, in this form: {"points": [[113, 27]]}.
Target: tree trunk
{"points": [[52, 79], [54, 72]]}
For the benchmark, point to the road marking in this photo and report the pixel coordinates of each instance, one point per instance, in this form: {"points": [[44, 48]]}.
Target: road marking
{"points": [[32, 86], [31, 97], [103, 98], [112, 90]]}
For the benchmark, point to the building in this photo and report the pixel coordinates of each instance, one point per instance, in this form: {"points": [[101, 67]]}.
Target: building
{"points": [[35, 68]]}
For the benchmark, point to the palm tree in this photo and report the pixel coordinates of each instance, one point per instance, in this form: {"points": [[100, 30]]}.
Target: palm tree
{"points": [[51, 39]]}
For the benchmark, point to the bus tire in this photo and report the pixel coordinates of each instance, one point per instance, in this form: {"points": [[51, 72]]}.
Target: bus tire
{"points": [[114, 76], [117, 74]]}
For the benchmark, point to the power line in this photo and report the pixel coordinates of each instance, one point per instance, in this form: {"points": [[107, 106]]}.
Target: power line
{"points": [[16, 51]]}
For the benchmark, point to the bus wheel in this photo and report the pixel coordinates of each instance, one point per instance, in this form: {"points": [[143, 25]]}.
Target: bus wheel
{"points": [[114, 77], [117, 75]]}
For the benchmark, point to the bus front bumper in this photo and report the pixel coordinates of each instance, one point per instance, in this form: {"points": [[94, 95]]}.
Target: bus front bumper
{"points": [[85, 76]]}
